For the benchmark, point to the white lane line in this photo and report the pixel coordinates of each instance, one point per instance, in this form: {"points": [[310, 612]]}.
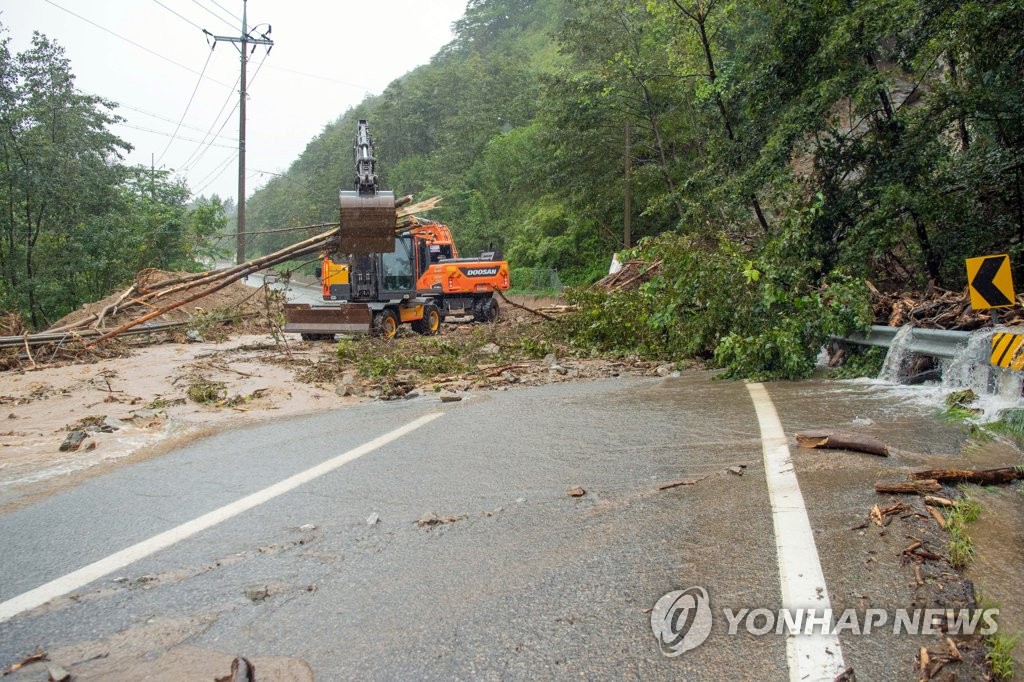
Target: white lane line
{"points": [[85, 575], [810, 656]]}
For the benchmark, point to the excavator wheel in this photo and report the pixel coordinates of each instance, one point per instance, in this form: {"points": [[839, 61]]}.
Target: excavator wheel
{"points": [[385, 324], [430, 323], [485, 310]]}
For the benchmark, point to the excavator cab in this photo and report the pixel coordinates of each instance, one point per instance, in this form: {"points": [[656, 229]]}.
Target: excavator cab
{"points": [[368, 213]]}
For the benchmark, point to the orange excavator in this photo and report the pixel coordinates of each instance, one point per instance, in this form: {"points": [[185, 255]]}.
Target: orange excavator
{"points": [[461, 286], [415, 274]]}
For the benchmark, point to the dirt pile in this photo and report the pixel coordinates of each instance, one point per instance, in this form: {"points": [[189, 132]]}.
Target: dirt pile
{"points": [[236, 303]]}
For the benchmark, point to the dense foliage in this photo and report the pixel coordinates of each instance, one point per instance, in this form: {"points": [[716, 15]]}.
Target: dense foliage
{"points": [[783, 152], [75, 222]]}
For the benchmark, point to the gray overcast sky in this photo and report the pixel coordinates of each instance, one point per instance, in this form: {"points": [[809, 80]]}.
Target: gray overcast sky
{"points": [[327, 56]]}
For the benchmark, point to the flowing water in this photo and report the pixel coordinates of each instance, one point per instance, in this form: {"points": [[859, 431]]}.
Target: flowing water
{"points": [[997, 389], [998, 565]]}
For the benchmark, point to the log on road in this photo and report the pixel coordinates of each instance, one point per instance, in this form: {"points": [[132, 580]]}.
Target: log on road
{"points": [[978, 476], [841, 441], [908, 487]]}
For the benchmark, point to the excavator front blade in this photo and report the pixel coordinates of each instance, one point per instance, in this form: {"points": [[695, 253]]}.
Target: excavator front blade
{"points": [[328, 319], [368, 223]]}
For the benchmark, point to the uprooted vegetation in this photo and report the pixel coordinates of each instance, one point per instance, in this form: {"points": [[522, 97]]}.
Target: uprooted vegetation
{"points": [[464, 357]]}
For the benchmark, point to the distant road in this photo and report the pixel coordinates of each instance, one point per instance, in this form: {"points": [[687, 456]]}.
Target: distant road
{"points": [[296, 292]]}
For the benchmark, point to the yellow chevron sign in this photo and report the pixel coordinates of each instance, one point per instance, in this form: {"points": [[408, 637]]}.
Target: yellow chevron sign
{"points": [[1008, 351]]}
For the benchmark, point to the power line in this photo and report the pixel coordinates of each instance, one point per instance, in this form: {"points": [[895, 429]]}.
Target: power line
{"points": [[132, 42], [219, 172], [163, 118], [160, 132], [192, 160], [187, 107], [178, 15], [212, 13], [212, 125], [226, 10], [323, 78]]}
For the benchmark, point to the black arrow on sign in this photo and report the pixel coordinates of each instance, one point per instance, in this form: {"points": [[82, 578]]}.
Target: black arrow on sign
{"points": [[984, 285]]}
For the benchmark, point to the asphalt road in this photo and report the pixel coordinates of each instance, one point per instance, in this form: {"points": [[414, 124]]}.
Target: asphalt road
{"points": [[296, 292], [523, 581]]}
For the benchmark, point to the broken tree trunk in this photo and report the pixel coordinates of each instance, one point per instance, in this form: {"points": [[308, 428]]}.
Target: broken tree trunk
{"points": [[842, 441], [908, 487], [979, 476], [254, 266]]}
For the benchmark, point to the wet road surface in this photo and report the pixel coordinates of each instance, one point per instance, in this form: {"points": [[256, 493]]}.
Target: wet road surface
{"points": [[523, 581]]}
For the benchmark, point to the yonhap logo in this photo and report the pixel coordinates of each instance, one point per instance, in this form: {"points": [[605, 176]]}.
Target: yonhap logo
{"points": [[681, 620]]}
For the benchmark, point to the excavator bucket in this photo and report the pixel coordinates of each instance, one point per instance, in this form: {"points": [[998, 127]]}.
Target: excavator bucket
{"points": [[367, 223]]}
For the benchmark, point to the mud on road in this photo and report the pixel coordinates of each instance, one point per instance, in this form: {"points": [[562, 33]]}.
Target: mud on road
{"points": [[156, 395]]}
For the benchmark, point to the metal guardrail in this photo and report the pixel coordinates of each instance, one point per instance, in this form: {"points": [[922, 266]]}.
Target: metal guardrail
{"points": [[936, 343]]}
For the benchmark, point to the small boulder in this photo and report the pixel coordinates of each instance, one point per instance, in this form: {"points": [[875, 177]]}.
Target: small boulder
{"points": [[73, 441], [490, 349]]}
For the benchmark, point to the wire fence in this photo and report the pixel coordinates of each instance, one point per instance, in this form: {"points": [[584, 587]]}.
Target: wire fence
{"points": [[536, 281]]}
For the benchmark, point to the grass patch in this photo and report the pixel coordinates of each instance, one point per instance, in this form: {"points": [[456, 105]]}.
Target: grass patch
{"points": [[961, 548], [1011, 425], [206, 392], [1000, 654]]}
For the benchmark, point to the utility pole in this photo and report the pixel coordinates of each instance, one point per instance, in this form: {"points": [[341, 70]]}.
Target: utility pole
{"points": [[627, 222], [243, 42]]}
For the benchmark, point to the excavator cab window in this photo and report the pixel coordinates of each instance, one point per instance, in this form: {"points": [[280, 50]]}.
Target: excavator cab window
{"points": [[397, 267], [440, 252]]}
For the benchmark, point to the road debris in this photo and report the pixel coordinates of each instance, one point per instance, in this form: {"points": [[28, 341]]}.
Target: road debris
{"points": [[242, 670], [839, 440], [73, 441], [682, 482], [450, 397], [257, 593], [432, 519], [576, 491], [882, 517], [908, 488], [937, 515], [977, 476], [737, 469], [372, 519], [935, 501], [36, 656]]}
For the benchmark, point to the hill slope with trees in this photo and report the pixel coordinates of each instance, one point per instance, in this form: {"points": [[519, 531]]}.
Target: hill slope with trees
{"points": [[784, 153]]}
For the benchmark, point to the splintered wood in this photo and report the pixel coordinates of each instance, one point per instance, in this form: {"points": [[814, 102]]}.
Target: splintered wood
{"points": [[935, 308], [633, 274]]}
